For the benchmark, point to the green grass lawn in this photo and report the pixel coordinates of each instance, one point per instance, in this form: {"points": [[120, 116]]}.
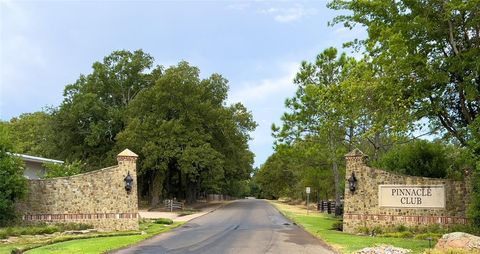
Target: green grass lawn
{"points": [[7, 248], [30, 243], [320, 224], [92, 245], [103, 244], [95, 243]]}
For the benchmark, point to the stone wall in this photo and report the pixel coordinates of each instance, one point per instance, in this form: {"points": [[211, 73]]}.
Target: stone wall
{"points": [[98, 198], [361, 208]]}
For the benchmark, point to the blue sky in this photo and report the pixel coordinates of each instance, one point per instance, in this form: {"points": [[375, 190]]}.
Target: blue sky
{"points": [[256, 45]]}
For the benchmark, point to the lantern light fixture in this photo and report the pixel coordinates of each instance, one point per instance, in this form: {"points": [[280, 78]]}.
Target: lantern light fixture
{"points": [[352, 182], [128, 182]]}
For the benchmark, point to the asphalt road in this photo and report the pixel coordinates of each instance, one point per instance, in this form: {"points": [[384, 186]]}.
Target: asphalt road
{"points": [[243, 226]]}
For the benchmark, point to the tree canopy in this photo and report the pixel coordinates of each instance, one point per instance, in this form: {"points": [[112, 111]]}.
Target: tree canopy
{"points": [[428, 50], [189, 141], [186, 137], [293, 167], [92, 112], [418, 67]]}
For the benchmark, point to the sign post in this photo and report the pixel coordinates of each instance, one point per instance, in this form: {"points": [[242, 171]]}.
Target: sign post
{"points": [[307, 190]]}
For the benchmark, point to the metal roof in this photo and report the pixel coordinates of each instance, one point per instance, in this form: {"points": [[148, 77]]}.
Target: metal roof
{"points": [[36, 159]]}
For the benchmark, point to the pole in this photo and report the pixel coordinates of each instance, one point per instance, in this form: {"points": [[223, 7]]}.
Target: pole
{"points": [[307, 190], [308, 195]]}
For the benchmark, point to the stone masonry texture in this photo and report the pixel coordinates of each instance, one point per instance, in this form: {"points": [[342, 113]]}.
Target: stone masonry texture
{"points": [[98, 198], [361, 208]]}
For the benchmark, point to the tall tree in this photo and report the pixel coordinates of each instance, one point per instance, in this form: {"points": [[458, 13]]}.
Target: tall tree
{"points": [[187, 140], [293, 167], [31, 133], [314, 111], [376, 119], [428, 50], [276, 178], [92, 112]]}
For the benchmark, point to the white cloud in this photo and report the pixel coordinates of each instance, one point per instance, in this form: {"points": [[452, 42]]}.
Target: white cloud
{"points": [[238, 6], [265, 89], [286, 15], [12, 11]]}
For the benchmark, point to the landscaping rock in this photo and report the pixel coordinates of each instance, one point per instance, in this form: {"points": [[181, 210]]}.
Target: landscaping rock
{"points": [[4, 241], [12, 239], [382, 250], [458, 240]]}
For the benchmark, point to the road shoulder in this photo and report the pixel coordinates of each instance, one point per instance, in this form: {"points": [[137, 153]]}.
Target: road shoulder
{"points": [[177, 215], [288, 214]]}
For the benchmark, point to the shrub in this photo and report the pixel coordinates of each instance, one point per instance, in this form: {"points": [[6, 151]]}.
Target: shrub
{"points": [[377, 230], [163, 221], [13, 185], [400, 228], [428, 159], [363, 230], [433, 228], [46, 230], [434, 231], [41, 229], [402, 234], [471, 229], [417, 158], [474, 208], [65, 169], [371, 231], [73, 226], [337, 226], [426, 236]]}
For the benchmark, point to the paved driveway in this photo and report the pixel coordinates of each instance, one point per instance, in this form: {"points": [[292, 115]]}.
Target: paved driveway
{"points": [[243, 226]]}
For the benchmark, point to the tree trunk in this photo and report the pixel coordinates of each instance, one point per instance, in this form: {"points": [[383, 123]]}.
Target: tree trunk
{"points": [[141, 188], [156, 188], [191, 192], [149, 179], [350, 142], [376, 146], [180, 189], [336, 174], [336, 178]]}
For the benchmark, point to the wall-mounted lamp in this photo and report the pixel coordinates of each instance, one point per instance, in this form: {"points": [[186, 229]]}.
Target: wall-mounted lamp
{"points": [[128, 182], [352, 183]]}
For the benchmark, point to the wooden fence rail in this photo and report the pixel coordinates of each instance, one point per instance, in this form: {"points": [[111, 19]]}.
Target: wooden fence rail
{"points": [[172, 204]]}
